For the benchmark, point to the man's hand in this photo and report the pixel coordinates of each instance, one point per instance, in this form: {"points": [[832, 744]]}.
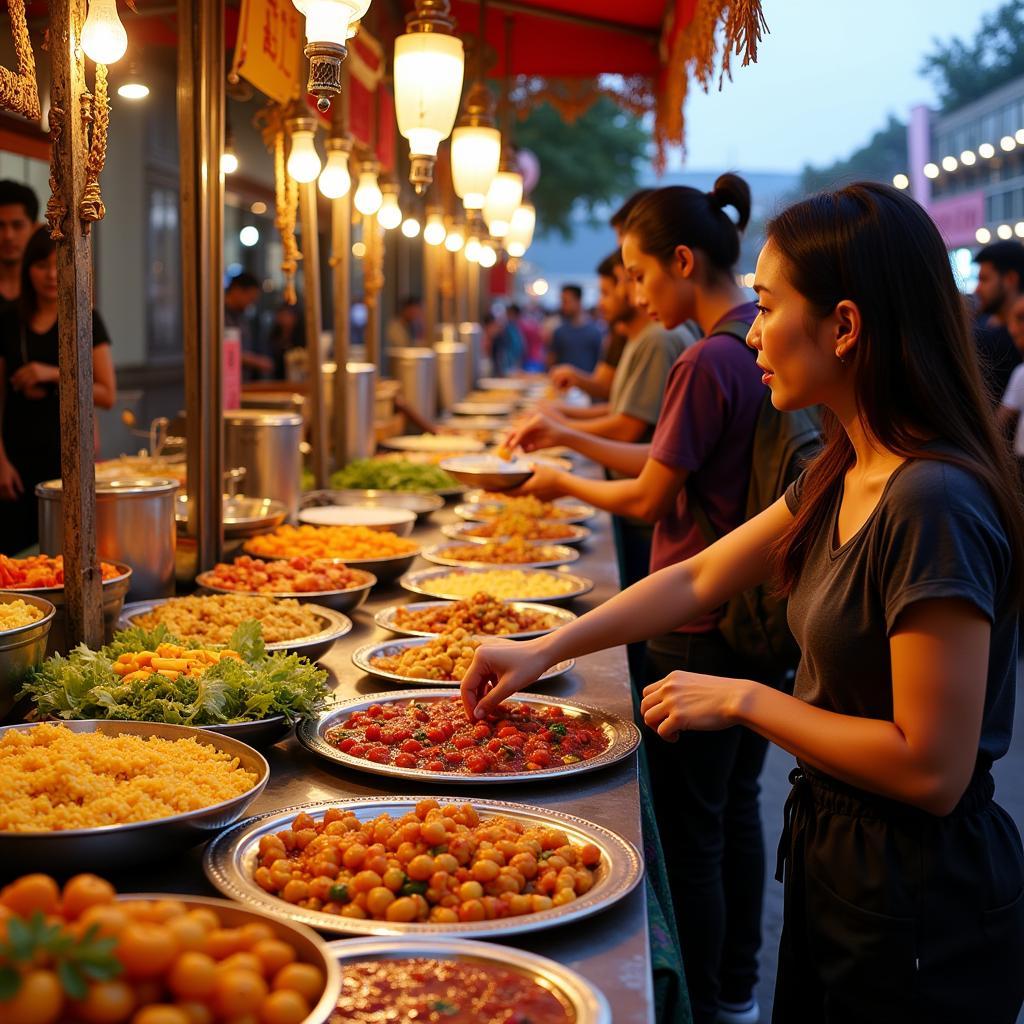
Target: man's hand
{"points": [[539, 431], [564, 376]]}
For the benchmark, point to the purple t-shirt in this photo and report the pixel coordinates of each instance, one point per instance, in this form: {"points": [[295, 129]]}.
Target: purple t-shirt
{"points": [[708, 415]]}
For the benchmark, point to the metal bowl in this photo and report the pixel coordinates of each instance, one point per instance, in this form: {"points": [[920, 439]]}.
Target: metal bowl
{"points": [[385, 618], [584, 1004], [23, 648], [560, 555], [363, 657], [483, 408], [415, 582], [230, 859], [420, 502], [315, 646], [113, 846], [574, 535], [264, 732], [242, 517], [339, 600], [504, 384], [399, 521], [113, 595], [488, 471], [309, 947], [384, 569], [477, 508], [622, 735]]}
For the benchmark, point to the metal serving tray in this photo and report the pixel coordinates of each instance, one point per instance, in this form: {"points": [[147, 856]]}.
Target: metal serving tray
{"points": [[385, 618]]}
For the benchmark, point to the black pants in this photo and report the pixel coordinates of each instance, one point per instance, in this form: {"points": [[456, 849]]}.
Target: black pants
{"points": [[894, 916], [633, 547], [707, 801]]}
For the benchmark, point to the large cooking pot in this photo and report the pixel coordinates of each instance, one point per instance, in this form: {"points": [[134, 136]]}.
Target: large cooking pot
{"points": [[266, 444]]}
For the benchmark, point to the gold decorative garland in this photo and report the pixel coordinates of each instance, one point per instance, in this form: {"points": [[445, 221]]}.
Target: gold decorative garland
{"points": [[95, 112], [19, 91], [271, 120]]}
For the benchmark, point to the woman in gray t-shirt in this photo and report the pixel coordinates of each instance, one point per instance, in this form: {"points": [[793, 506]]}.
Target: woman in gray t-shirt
{"points": [[902, 550]]}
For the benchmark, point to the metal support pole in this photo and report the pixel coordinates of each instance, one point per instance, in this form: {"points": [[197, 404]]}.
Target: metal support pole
{"points": [[82, 580], [341, 248], [431, 292], [201, 142], [373, 277], [314, 350], [460, 275], [473, 291]]}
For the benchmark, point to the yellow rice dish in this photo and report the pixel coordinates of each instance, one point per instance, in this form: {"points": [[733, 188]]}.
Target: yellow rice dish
{"points": [[18, 613], [501, 583], [54, 779], [211, 619]]}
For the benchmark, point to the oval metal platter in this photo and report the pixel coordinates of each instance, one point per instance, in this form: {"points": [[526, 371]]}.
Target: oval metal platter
{"points": [[478, 507], [561, 555], [316, 645], [230, 859], [584, 1002], [574, 535], [385, 618], [413, 581], [338, 600], [361, 658], [623, 739]]}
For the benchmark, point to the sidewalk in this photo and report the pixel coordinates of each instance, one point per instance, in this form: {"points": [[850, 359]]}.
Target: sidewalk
{"points": [[1009, 776]]}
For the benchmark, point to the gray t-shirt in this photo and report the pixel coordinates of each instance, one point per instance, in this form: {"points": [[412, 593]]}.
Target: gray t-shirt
{"points": [[935, 533], [639, 382]]}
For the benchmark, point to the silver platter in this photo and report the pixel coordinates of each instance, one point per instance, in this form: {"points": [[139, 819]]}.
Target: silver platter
{"points": [[623, 739], [389, 648], [385, 618], [575, 535], [414, 582], [478, 507], [112, 846], [586, 1003], [339, 600], [563, 555], [229, 862], [384, 569], [316, 645]]}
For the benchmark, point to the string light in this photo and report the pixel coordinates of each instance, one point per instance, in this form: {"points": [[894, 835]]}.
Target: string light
{"points": [[986, 151], [104, 39], [1005, 232], [901, 181], [967, 158], [983, 236], [410, 227], [949, 163], [931, 170]]}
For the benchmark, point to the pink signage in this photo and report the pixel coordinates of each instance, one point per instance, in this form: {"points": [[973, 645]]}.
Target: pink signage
{"points": [[959, 217], [231, 380]]}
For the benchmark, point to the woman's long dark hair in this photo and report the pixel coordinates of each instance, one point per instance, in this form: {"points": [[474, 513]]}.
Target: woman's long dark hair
{"points": [[679, 215], [915, 367], [39, 248]]}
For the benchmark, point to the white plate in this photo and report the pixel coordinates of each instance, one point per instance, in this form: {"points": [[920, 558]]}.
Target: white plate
{"points": [[433, 443], [385, 618], [503, 384], [561, 554], [361, 658], [229, 863], [376, 517], [483, 408]]}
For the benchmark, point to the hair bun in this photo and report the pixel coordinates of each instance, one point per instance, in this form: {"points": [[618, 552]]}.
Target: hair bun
{"points": [[731, 190]]}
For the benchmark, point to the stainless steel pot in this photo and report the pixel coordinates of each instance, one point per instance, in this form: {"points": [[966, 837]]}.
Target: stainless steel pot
{"points": [[134, 524], [416, 372], [266, 444], [359, 408], [472, 336], [452, 373], [22, 648]]}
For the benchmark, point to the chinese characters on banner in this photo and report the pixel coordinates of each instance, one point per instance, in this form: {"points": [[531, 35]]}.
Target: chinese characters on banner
{"points": [[269, 48]]}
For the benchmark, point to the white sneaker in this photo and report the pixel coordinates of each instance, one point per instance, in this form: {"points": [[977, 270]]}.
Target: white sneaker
{"points": [[739, 1013]]}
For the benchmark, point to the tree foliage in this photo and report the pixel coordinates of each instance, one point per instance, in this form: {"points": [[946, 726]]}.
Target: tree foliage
{"points": [[878, 160], [964, 71], [586, 163]]}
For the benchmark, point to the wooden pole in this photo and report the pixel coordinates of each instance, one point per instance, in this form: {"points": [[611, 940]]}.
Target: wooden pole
{"points": [[82, 579], [373, 278], [473, 290], [341, 284], [460, 275], [431, 292], [201, 142], [314, 317]]}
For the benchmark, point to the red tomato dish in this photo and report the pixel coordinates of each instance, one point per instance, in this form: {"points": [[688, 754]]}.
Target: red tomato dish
{"points": [[452, 991], [436, 736]]}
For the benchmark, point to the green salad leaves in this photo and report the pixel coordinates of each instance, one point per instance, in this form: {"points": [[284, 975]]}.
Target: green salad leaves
{"points": [[391, 475], [84, 685]]}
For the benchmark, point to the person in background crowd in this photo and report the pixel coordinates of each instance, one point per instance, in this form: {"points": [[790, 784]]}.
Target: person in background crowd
{"points": [[577, 339], [240, 296], [19, 211], [1000, 282], [406, 329], [1008, 415], [29, 391], [680, 248], [357, 318], [902, 550], [533, 339], [287, 332], [509, 348]]}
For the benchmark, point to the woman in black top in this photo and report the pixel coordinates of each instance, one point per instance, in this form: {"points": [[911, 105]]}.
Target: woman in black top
{"points": [[902, 549], [29, 399]]}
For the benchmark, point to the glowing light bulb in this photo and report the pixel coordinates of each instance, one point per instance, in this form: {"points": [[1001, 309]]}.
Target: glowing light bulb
{"points": [[983, 236], [949, 163], [488, 256], [104, 39], [986, 151], [520, 232], [389, 216], [368, 197], [503, 198], [228, 161], [1005, 232], [931, 170], [249, 235], [901, 181], [1007, 143], [967, 158], [455, 239], [473, 249], [335, 180], [303, 161], [410, 227], [434, 232]]}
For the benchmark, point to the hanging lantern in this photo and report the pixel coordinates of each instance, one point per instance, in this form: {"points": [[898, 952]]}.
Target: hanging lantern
{"points": [[389, 216], [104, 39], [368, 197], [476, 149], [429, 66], [303, 160], [329, 26], [504, 196], [488, 255], [335, 180], [520, 232], [455, 239], [434, 231]]}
